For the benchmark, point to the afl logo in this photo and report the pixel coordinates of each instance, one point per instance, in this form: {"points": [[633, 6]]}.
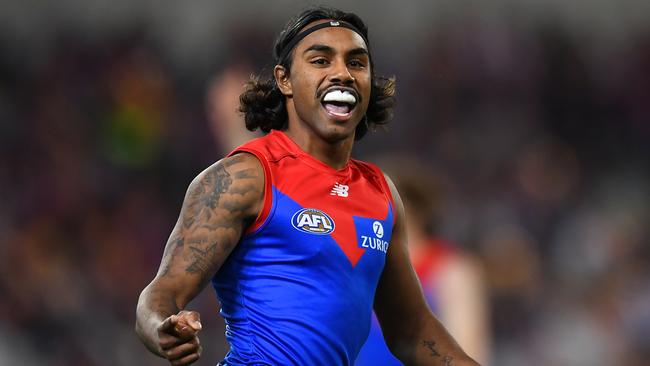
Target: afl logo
{"points": [[312, 221]]}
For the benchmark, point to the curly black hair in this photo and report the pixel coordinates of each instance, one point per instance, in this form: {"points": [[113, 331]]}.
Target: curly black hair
{"points": [[264, 106]]}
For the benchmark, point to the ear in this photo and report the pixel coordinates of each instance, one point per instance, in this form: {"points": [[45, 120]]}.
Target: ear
{"points": [[282, 79]]}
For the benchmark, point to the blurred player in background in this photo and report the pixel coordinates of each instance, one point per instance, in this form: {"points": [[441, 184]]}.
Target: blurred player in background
{"points": [[452, 281], [222, 104], [297, 237]]}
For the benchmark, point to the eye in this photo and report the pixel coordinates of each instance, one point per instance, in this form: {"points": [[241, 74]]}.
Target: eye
{"points": [[357, 64], [320, 61]]}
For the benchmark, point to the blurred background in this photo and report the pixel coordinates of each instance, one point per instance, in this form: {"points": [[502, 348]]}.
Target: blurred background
{"points": [[534, 117]]}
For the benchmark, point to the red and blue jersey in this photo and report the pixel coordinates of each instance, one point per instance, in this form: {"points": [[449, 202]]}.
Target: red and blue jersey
{"points": [[299, 287]]}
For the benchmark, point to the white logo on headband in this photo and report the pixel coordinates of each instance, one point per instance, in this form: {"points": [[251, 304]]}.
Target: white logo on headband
{"points": [[335, 24]]}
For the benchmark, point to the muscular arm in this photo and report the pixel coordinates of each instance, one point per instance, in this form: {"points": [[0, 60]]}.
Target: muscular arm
{"points": [[411, 331], [219, 204]]}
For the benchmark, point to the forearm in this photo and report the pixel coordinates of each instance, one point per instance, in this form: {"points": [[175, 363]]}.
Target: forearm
{"points": [[154, 306], [430, 344]]}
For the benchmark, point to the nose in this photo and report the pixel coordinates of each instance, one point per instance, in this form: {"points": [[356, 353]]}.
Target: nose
{"points": [[341, 74]]}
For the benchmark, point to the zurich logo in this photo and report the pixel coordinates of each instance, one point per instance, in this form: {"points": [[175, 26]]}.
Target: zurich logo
{"points": [[378, 228], [313, 221]]}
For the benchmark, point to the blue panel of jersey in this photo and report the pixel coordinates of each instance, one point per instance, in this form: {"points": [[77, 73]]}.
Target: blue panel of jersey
{"points": [[293, 298]]}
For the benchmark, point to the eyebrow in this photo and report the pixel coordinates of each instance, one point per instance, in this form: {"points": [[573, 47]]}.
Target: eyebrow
{"points": [[328, 49], [319, 48], [358, 51]]}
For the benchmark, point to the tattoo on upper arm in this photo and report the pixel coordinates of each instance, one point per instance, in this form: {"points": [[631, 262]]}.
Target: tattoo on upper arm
{"points": [[175, 244], [205, 194], [200, 259], [212, 217], [430, 345], [246, 173]]}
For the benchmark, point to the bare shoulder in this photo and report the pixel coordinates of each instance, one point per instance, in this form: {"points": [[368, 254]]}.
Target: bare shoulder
{"points": [[233, 186], [391, 185], [396, 197], [243, 168]]}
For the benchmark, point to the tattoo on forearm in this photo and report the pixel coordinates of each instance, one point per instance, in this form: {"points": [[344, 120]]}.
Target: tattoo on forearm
{"points": [[430, 345]]}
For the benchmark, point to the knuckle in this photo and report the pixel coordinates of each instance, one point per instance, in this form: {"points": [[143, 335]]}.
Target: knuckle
{"points": [[166, 342]]}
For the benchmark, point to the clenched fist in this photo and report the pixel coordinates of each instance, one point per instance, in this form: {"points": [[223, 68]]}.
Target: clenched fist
{"points": [[178, 338]]}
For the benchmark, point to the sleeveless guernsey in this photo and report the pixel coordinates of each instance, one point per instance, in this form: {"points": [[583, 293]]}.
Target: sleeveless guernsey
{"points": [[299, 287]]}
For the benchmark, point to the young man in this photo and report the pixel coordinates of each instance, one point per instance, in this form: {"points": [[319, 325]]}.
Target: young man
{"points": [[297, 238]]}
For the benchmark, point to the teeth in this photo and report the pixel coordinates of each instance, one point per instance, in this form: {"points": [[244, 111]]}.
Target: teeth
{"points": [[340, 96]]}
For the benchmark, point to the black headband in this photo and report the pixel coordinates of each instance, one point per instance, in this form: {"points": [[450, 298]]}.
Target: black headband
{"points": [[305, 33]]}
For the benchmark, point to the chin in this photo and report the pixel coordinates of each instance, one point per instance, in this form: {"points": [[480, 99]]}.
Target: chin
{"points": [[339, 128], [337, 133]]}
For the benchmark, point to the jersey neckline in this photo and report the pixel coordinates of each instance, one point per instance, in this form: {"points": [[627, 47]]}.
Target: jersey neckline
{"points": [[311, 160]]}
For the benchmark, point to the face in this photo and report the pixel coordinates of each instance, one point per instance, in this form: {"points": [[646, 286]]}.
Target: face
{"points": [[328, 87]]}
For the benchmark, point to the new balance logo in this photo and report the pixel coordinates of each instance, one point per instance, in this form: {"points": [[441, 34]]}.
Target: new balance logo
{"points": [[340, 190]]}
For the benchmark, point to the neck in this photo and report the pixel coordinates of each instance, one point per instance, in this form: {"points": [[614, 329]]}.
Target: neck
{"points": [[336, 154], [330, 147]]}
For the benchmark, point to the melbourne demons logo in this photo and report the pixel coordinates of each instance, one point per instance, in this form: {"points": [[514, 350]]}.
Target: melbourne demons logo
{"points": [[312, 221]]}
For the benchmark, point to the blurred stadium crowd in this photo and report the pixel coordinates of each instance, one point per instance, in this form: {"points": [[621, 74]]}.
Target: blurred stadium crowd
{"points": [[541, 140]]}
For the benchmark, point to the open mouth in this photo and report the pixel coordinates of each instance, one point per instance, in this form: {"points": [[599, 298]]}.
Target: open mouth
{"points": [[339, 102]]}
